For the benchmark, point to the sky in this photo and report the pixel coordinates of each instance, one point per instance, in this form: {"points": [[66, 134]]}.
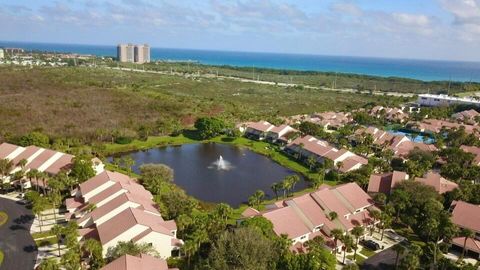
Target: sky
{"points": [[417, 29]]}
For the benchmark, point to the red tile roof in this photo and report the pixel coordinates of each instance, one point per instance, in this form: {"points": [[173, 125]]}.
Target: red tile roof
{"points": [[440, 184], [473, 150], [6, 149], [142, 262], [472, 244], [466, 215], [63, 163], [285, 221], [262, 126], [385, 182], [103, 178]]}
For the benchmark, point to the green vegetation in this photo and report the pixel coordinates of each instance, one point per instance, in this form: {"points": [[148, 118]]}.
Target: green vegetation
{"points": [[367, 252], [3, 218], [1, 257], [316, 79], [74, 105]]}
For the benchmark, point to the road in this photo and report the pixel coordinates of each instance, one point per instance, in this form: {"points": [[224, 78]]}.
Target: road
{"points": [[380, 261], [213, 76], [15, 240]]}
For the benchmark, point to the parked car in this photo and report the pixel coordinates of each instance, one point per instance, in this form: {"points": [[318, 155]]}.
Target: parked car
{"points": [[370, 244]]}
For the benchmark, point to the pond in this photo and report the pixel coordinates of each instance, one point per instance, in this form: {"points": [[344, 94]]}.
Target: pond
{"points": [[217, 172]]}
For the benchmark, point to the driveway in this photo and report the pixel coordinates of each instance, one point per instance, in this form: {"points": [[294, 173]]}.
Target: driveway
{"points": [[381, 261], [15, 240]]}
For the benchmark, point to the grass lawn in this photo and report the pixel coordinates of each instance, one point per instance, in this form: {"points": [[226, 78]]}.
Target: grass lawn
{"points": [[46, 241], [367, 252], [3, 218], [41, 234], [359, 259], [154, 141], [1, 257]]}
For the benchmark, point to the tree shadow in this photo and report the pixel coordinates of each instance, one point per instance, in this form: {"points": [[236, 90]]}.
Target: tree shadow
{"points": [[30, 248], [17, 227], [191, 134], [228, 139]]}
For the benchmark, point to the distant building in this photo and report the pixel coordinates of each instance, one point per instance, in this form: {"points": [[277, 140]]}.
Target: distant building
{"points": [[129, 53], [14, 50], [430, 100], [125, 53], [2, 54]]}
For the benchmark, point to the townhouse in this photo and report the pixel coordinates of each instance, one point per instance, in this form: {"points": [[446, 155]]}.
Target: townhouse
{"points": [[437, 126], [263, 130], [472, 150], [111, 207], [331, 120], [391, 114], [307, 216], [140, 262], [37, 158], [258, 130], [384, 183], [401, 145], [466, 216], [467, 116], [309, 146]]}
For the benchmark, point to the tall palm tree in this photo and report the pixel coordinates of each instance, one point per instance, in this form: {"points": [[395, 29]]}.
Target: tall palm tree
{"points": [[357, 231], [275, 188], [22, 163], [399, 250], [467, 233], [57, 230], [337, 234], [375, 214], [287, 185], [294, 179], [36, 174], [347, 245], [6, 167], [385, 222], [256, 199]]}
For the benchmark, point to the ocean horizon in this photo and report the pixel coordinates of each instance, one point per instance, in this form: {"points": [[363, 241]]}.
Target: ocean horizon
{"points": [[425, 70]]}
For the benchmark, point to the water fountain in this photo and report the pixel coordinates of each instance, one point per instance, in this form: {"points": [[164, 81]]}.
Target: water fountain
{"points": [[221, 164]]}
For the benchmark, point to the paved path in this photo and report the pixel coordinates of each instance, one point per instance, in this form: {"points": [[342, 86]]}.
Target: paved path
{"points": [[15, 239]]}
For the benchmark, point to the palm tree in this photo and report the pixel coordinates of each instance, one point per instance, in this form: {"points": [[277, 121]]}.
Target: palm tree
{"points": [[6, 167], [287, 185], [375, 214], [357, 231], [35, 174], [129, 162], [275, 188], [385, 222], [57, 230], [49, 264], [223, 211], [22, 163], [467, 233], [347, 245], [94, 249], [399, 249], [294, 179], [189, 248], [256, 199], [39, 205], [337, 234], [311, 162], [332, 215]]}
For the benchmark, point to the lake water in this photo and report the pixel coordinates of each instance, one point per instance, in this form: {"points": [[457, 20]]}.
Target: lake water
{"points": [[195, 173], [416, 69]]}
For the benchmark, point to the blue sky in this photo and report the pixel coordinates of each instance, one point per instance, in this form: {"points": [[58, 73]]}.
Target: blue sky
{"points": [[424, 29]]}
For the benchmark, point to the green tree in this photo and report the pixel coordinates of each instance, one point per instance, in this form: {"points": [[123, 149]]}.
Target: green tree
{"points": [[82, 169], [49, 264], [94, 250], [245, 248], [128, 161], [467, 234], [357, 231], [6, 166], [337, 235], [130, 248], [57, 230], [332, 215], [276, 187], [399, 250], [256, 199], [223, 211], [209, 127], [262, 224], [347, 245], [154, 176]]}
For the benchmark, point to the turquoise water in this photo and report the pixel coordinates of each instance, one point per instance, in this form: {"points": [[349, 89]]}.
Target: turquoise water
{"points": [[414, 137], [414, 69]]}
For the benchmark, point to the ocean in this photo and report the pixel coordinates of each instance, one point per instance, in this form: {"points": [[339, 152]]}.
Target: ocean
{"points": [[425, 70]]}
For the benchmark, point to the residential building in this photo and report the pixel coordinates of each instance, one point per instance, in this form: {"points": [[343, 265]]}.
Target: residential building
{"points": [[435, 180], [40, 159], [391, 114], [472, 150], [437, 126], [140, 262], [280, 134], [142, 54], [401, 145], [126, 53], [2, 53], [12, 51], [123, 210], [331, 120], [466, 216], [309, 146], [430, 100], [467, 116], [258, 130], [384, 183], [307, 216]]}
